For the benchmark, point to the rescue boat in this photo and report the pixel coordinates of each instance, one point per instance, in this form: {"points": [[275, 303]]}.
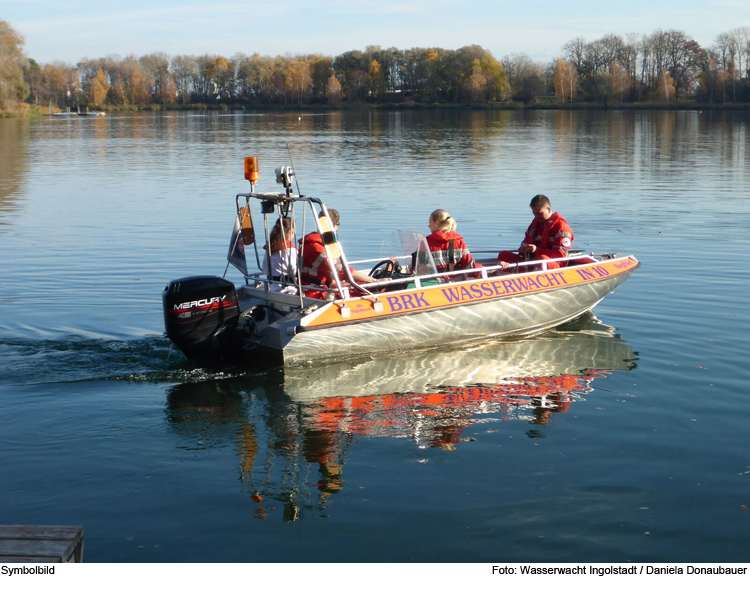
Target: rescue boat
{"points": [[272, 319]]}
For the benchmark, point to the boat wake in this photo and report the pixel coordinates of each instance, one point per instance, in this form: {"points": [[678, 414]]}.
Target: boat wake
{"points": [[78, 359]]}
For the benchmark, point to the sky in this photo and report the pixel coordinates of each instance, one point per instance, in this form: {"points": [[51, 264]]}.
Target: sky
{"points": [[71, 30]]}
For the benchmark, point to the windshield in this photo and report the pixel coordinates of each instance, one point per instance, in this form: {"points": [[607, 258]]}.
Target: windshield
{"points": [[411, 250]]}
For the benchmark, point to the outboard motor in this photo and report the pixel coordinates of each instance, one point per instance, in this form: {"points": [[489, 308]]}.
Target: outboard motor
{"points": [[199, 313]]}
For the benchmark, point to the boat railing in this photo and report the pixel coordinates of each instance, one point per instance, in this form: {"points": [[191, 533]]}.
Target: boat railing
{"points": [[483, 272], [416, 281]]}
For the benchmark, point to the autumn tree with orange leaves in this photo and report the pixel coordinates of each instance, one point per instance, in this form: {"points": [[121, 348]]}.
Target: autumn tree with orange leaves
{"points": [[333, 91], [666, 85], [477, 83], [565, 80], [99, 88], [377, 79]]}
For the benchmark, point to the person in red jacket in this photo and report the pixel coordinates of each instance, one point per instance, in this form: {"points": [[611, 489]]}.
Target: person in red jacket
{"points": [[548, 237], [315, 268], [449, 251]]}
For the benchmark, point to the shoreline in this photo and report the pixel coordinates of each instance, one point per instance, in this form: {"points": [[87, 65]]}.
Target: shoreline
{"points": [[38, 112]]}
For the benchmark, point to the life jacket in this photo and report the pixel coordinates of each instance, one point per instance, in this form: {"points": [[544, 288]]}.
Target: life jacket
{"points": [[552, 238], [449, 252], [315, 268]]}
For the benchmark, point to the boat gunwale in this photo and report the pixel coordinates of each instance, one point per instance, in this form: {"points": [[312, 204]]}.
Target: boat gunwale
{"points": [[504, 297], [527, 331]]}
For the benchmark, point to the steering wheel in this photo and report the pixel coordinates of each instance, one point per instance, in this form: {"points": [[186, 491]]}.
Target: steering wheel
{"points": [[387, 271]]}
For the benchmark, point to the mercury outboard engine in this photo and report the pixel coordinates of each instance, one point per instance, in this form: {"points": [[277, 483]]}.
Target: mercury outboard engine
{"points": [[199, 314]]}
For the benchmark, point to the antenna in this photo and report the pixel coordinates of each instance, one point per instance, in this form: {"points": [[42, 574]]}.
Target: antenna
{"points": [[293, 168]]}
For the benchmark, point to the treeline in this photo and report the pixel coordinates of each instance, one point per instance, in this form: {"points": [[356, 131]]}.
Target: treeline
{"points": [[469, 74], [664, 66]]}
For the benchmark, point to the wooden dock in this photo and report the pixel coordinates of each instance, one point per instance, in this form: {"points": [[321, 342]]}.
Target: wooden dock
{"points": [[41, 543]]}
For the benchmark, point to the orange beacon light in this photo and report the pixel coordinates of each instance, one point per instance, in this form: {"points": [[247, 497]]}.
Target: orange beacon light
{"points": [[251, 169]]}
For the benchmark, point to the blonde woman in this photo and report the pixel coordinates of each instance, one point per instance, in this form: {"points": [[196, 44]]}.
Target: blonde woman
{"points": [[449, 251]]}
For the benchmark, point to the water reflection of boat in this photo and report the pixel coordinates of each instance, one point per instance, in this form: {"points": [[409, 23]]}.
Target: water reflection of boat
{"points": [[275, 317], [295, 428], [585, 344], [432, 397]]}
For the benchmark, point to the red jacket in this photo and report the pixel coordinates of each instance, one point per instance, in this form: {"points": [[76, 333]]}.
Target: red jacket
{"points": [[552, 238], [315, 269], [440, 242]]}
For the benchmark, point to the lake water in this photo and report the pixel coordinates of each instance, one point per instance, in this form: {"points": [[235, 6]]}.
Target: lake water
{"points": [[622, 437]]}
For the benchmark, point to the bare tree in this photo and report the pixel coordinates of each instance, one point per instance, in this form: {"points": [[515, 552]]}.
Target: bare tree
{"points": [[682, 60], [740, 40], [156, 71], [574, 51], [185, 71], [524, 76]]}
